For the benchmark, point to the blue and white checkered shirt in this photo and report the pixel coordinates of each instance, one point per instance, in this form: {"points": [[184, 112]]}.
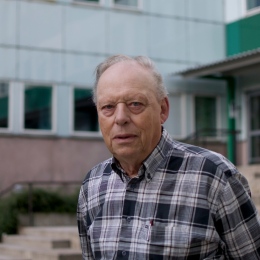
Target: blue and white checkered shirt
{"points": [[186, 203]]}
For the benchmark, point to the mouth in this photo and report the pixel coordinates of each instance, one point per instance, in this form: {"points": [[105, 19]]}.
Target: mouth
{"points": [[124, 137]]}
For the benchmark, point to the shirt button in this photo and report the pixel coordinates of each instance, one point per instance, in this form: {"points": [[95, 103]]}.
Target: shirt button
{"points": [[128, 219], [123, 253]]}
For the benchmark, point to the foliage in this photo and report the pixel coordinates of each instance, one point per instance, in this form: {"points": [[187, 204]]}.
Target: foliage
{"points": [[42, 201]]}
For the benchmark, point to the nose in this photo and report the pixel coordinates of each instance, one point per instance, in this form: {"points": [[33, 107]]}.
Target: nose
{"points": [[122, 114]]}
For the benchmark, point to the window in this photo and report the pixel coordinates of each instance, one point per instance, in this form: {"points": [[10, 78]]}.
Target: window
{"points": [[85, 113], [251, 4], [254, 127], [127, 3], [87, 1], [4, 104], [38, 107], [205, 115]]}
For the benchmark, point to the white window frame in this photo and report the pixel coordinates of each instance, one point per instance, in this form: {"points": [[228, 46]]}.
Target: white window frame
{"points": [[218, 115], [71, 117], [9, 121], [82, 2], [139, 6], [250, 12], [53, 130]]}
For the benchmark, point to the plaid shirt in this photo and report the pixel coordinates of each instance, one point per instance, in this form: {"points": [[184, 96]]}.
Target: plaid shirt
{"points": [[186, 203]]}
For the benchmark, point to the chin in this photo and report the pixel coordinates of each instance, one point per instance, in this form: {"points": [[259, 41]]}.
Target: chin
{"points": [[127, 154]]}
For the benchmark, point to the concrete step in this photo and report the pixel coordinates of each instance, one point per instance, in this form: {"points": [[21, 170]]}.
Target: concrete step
{"points": [[62, 232], [36, 241], [15, 251], [30, 253], [5, 257]]}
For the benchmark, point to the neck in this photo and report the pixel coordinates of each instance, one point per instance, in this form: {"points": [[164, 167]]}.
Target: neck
{"points": [[130, 168]]}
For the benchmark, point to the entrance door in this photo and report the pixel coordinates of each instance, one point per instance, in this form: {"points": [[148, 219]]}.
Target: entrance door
{"points": [[254, 126]]}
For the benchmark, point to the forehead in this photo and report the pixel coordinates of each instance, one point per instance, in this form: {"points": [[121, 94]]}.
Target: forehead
{"points": [[125, 78]]}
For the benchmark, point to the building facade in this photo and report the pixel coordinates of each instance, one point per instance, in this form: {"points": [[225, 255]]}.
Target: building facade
{"points": [[240, 71], [48, 52]]}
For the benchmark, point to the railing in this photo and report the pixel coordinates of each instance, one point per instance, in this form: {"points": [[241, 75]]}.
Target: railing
{"points": [[207, 136], [30, 185], [209, 133]]}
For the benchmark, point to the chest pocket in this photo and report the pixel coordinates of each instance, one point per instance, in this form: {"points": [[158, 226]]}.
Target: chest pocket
{"points": [[167, 235], [180, 239]]}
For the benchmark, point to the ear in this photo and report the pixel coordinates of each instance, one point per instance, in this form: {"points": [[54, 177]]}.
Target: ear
{"points": [[165, 108]]}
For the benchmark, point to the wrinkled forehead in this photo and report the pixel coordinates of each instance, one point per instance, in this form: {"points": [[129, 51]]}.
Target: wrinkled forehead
{"points": [[126, 73]]}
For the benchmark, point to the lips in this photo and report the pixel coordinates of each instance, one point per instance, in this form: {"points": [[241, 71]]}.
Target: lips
{"points": [[124, 136]]}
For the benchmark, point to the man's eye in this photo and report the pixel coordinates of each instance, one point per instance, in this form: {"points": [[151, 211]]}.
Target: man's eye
{"points": [[107, 107], [135, 104]]}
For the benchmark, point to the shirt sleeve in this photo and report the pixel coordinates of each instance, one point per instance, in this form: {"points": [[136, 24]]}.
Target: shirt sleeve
{"points": [[82, 226], [237, 220]]}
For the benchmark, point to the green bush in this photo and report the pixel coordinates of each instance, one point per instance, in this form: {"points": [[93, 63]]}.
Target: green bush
{"points": [[8, 216], [42, 201]]}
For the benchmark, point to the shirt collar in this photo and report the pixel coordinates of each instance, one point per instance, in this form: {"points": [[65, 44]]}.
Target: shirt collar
{"points": [[152, 162]]}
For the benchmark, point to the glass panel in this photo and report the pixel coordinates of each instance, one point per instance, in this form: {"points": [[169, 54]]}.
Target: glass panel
{"points": [[255, 148], [205, 115], [38, 107], [94, 1], [255, 112], [133, 3], [4, 100], [252, 4], [85, 113]]}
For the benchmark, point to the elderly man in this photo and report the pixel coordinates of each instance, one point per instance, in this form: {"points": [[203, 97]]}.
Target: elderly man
{"points": [[157, 198]]}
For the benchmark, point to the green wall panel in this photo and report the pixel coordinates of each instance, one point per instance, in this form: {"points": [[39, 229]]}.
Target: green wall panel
{"points": [[243, 35]]}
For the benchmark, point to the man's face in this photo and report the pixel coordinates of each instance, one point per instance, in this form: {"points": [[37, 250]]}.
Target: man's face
{"points": [[130, 115]]}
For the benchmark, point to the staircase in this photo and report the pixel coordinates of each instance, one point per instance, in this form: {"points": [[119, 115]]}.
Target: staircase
{"points": [[252, 174], [42, 243]]}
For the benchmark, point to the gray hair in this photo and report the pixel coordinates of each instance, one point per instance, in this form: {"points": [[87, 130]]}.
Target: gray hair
{"points": [[145, 62]]}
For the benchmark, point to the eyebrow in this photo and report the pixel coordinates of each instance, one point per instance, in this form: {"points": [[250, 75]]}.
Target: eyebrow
{"points": [[126, 98]]}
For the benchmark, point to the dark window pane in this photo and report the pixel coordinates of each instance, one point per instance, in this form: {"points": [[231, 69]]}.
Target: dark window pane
{"points": [[4, 99], [38, 107], [255, 113], [85, 113], [127, 2], [205, 115], [252, 4], [255, 143]]}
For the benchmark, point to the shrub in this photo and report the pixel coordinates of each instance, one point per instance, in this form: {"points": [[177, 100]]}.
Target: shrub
{"points": [[42, 201]]}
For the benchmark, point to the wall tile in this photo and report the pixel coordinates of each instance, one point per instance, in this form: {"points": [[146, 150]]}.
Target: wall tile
{"points": [[85, 29], [127, 33], [40, 65], [40, 25], [167, 38], [79, 69], [7, 62], [8, 22]]}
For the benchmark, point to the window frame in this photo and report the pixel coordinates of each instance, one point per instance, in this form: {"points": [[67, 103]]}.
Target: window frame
{"points": [[89, 3], [53, 129], [252, 11], [9, 121], [71, 116], [251, 133], [139, 6]]}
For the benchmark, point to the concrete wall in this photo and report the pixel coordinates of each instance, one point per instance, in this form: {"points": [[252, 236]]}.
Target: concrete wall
{"points": [[47, 159]]}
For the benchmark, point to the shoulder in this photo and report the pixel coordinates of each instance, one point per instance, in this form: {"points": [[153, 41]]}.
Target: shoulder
{"points": [[203, 160]]}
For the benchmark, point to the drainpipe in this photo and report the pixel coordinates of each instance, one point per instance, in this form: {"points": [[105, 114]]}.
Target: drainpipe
{"points": [[231, 120]]}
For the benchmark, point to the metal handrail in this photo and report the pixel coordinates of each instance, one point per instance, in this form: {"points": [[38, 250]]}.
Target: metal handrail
{"points": [[211, 132]]}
